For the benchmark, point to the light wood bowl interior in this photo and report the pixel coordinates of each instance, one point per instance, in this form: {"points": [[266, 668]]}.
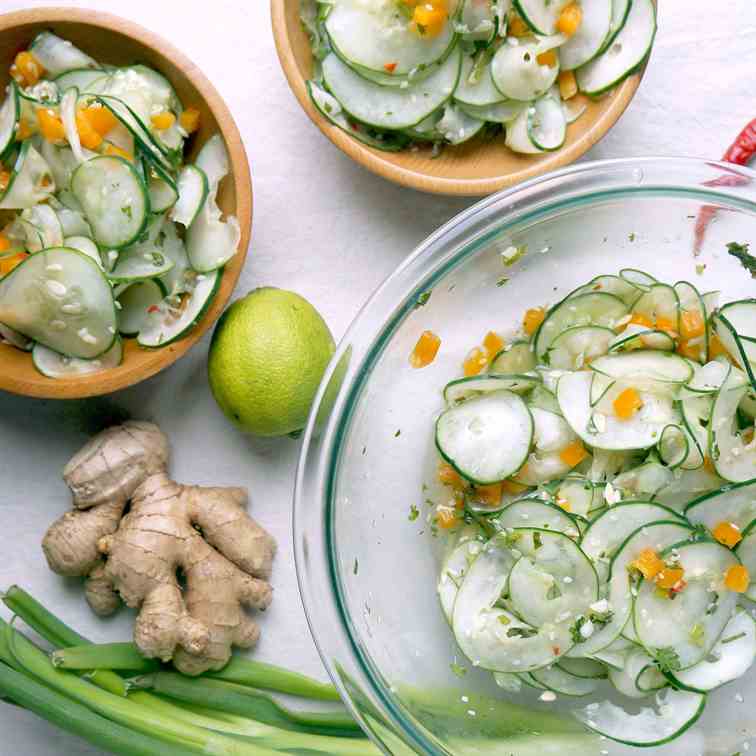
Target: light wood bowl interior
{"points": [[475, 168], [110, 39]]}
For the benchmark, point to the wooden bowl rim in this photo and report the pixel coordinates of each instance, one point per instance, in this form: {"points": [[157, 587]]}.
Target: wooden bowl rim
{"points": [[129, 374], [374, 160]]}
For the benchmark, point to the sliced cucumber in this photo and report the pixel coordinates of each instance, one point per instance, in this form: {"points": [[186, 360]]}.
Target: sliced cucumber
{"points": [[628, 50], [81, 78], [746, 551], [579, 496], [735, 504], [192, 192], [543, 399], [649, 370], [553, 580], [612, 656], [491, 637], [488, 438], [638, 278], [61, 299], [620, 11], [136, 302], [114, 199], [501, 112], [625, 680], [508, 681], [161, 187], [547, 125], [516, 72], [180, 278], [693, 304], [84, 245], [611, 529], [735, 324], [456, 126], [453, 572], [480, 92], [9, 115], [43, 228], [730, 658], [145, 259], [660, 301], [733, 454], [627, 291], [390, 107], [551, 435], [73, 222], [675, 446], [588, 40], [647, 481], [673, 712], [518, 136], [642, 431], [16, 339], [516, 357], [479, 21], [61, 162], [536, 513], [596, 308], [708, 379], [461, 389], [369, 36], [540, 15], [575, 347], [171, 323], [691, 624], [31, 181], [587, 668], [55, 365], [639, 337], [560, 681], [161, 91], [59, 55]]}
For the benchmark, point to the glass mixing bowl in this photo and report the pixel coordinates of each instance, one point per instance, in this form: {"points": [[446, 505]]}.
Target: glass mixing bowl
{"points": [[367, 565]]}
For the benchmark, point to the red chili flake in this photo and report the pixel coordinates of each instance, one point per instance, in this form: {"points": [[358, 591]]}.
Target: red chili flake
{"points": [[390, 67], [153, 308], [556, 650]]}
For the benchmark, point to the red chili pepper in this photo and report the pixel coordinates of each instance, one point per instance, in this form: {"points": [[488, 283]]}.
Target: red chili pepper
{"points": [[744, 146], [153, 308], [390, 67]]}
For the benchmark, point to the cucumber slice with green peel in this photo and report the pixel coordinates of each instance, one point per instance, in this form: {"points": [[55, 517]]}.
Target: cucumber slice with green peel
{"points": [[61, 299], [542, 398], [536, 513], [688, 627], [612, 656], [650, 679], [9, 115], [192, 191], [677, 448], [649, 370], [136, 301], [502, 112], [461, 389], [456, 126], [586, 43], [639, 337], [647, 481], [578, 496], [59, 55], [180, 278], [692, 305], [516, 72], [672, 712], [161, 91], [508, 681], [61, 162], [597, 428], [486, 439], [73, 222], [638, 278], [575, 347], [600, 386], [146, 258], [161, 187], [55, 365], [516, 357], [620, 11], [551, 435], [389, 107], [735, 504], [732, 452], [553, 580], [16, 339], [369, 36], [547, 125], [596, 308], [708, 379], [540, 15], [562, 682], [629, 49], [491, 637], [68, 107], [517, 136], [608, 284], [746, 552], [711, 301], [659, 301], [479, 20], [656, 535], [453, 571], [43, 228], [730, 658], [609, 531], [84, 245], [114, 199], [81, 78], [479, 92], [589, 669], [735, 324], [31, 181], [625, 680], [171, 323]]}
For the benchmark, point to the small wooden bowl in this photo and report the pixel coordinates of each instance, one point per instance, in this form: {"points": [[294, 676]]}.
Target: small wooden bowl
{"points": [[475, 168], [120, 42]]}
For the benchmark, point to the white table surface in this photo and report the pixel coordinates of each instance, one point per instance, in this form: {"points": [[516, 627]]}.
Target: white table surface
{"points": [[330, 230]]}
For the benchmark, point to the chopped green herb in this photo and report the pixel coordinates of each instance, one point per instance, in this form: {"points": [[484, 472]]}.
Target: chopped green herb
{"points": [[356, 566], [575, 630], [502, 281], [631, 237], [504, 620], [747, 260], [521, 632], [458, 669], [398, 433], [732, 638], [414, 513], [422, 299], [667, 659], [512, 254], [126, 210], [697, 635], [537, 542]]}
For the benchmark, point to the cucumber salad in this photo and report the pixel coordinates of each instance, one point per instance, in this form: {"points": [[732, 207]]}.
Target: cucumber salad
{"points": [[397, 72], [106, 232], [599, 503]]}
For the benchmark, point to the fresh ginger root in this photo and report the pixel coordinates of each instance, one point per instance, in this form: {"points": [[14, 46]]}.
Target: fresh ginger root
{"points": [[204, 534]]}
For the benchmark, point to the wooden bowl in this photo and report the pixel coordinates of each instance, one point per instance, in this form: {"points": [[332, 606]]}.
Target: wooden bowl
{"points": [[120, 42], [475, 168]]}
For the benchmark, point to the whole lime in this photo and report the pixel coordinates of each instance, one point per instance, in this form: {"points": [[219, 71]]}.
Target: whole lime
{"points": [[267, 355]]}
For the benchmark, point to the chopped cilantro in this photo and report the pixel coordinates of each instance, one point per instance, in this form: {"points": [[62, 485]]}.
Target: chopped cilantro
{"points": [[398, 433], [732, 638], [356, 566], [575, 630], [697, 635], [747, 260], [521, 632], [422, 299], [502, 281], [126, 210], [458, 669], [667, 659], [413, 514]]}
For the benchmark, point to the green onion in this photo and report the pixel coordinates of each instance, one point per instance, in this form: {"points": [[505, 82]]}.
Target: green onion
{"points": [[104, 656]]}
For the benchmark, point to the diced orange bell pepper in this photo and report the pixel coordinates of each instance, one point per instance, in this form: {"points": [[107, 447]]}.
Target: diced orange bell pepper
{"points": [[450, 477], [564, 504], [708, 465], [50, 125], [26, 69], [390, 67], [516, 27], [429, 18], [737, 578], [189, 120], [23, 129], [9, 262], [425, 350], [693, 349], [512, 488], [475, 362], [164, 120], [635, 319], [728, 534], [490, 495], [627, 404], [717, 348], [5, 178], [548, 58], [100, 118], [5, 243], [446, 519], [533, 319], [88, 135], [691, 324], [569, 19], [666, 325], [568, 88], [493, 344], [648, 564], [573, 454], [670, 578]]}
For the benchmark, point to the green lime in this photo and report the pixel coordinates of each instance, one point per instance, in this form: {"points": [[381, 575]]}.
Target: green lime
{"points": [[267, 356]]}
